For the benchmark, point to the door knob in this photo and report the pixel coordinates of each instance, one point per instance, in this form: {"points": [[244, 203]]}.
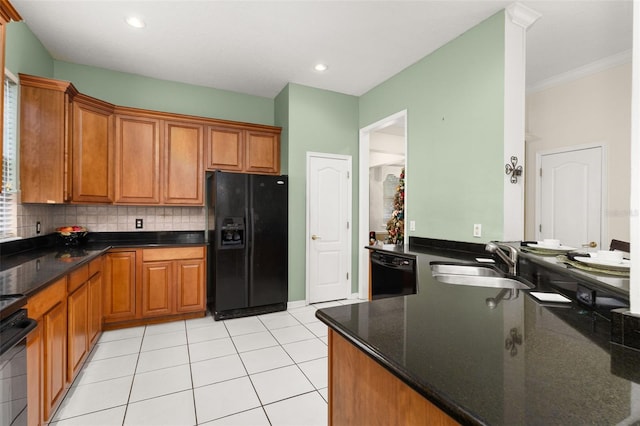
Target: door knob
{"points": [[592, 244], [315, 237]]}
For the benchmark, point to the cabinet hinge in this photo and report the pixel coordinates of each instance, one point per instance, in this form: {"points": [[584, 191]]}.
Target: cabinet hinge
{"points": [[347, 225], [540, 228], [347, 276], [540, 171], [348, 175]]}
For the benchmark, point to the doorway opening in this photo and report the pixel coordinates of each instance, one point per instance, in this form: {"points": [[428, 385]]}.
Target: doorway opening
{"points": [[383, 148]]}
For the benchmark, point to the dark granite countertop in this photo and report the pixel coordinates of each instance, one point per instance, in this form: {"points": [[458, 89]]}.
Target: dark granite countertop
{"points": [[448, 344], [27, 266]]}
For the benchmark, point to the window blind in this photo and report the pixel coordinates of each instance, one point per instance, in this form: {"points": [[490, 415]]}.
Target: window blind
{"points": [[8, 196]]}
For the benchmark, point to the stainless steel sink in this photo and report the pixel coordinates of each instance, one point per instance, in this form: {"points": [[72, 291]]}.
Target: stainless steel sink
{"points": [[474, 269], [477, 274]]}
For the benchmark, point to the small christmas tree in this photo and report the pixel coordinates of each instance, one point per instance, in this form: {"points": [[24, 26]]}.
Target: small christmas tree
{"points": [[395, 225]]}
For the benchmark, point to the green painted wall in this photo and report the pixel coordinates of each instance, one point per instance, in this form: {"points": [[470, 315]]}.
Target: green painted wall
{"points": [[24, 52], [319, 121], [455, 116], [160, 95], [281, 119]]}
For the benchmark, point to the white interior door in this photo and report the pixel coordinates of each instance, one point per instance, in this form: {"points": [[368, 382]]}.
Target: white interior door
{"points": [[328, 227], [571, 184]]}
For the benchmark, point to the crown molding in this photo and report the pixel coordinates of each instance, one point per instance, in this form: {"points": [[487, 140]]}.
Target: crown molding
{"points": [[583, 71], [522, 15]]}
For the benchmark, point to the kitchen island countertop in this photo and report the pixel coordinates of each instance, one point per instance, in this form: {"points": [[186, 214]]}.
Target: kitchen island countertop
{"points": [[519, 362]]}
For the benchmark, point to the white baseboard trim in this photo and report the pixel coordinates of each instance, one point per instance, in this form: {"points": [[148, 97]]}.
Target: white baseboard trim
{"points": [[296, 304], [292, 304]]}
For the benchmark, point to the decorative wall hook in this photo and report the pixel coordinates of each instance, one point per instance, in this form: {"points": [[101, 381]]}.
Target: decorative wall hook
{"points": [[513, 169]]}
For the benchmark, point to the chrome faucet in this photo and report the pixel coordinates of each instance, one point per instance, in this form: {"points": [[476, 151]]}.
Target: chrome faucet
{"points": [[511, 260]]}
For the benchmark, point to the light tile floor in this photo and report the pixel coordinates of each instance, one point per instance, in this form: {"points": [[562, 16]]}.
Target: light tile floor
{"points": [[263, 370]]}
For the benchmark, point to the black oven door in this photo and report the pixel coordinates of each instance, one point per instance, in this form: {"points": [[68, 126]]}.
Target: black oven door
{"points": [[13, 368]]}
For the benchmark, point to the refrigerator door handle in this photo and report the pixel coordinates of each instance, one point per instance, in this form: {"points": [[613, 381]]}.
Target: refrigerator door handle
{"points": [[248, 250], [252, 225]]}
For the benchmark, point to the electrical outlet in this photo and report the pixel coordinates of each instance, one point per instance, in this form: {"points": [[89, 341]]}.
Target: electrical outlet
{"points": [[139, 223], [38, 227], [412, 225], [477, 230]]}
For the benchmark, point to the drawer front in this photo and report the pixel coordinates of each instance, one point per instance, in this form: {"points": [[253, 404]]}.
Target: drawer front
{"points": [[42, 302], [95, 266], [172, 253], [78, 277]]}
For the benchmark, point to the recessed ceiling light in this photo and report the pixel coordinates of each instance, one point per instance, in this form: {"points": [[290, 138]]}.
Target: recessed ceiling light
{"points": [[321, 67], [135, 22]]}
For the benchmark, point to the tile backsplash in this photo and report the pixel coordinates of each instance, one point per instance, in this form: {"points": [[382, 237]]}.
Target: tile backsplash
{"points": [[107, 218]]}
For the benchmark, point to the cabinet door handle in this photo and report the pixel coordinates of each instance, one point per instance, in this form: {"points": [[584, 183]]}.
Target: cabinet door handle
{"points": [[315, 237], [592, 244]]}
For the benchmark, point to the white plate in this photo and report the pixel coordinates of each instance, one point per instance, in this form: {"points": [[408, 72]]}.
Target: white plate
{"points": [[549, 297], [558, 249], [622, 265]]}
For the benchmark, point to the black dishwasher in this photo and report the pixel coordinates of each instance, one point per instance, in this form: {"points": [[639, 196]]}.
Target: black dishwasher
{"points": [[392, 275]]}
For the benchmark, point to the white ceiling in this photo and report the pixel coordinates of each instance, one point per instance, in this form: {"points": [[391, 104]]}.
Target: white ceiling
{"points": [[257, 47]]}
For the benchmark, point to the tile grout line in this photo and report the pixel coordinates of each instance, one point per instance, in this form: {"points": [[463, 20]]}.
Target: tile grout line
{"points": [[133, 379], [193, 388]]}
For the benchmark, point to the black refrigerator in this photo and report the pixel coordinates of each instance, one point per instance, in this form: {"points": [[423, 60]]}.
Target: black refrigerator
{"points": [[247, 221]]}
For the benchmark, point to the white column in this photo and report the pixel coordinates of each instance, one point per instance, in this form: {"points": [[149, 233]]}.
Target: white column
{"points": [[635, 165], [517, 19]]}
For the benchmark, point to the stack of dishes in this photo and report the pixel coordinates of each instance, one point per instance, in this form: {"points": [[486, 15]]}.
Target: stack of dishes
{"points": [[605, 261], [549, 247]]}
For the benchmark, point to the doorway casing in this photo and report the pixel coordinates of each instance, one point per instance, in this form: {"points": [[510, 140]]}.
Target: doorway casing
{"points": [[363, 197]]}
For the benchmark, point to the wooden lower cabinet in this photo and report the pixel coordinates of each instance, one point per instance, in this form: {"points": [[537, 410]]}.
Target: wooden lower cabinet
{"points": [[69, 316], [55, 351], [84, 313], [173, 281], [78, 323], [118, 288], [363, 392], [157, 297], [155, 284], [190, 285], [119, 302], [35, 376], [47, 347], [94, 288]]}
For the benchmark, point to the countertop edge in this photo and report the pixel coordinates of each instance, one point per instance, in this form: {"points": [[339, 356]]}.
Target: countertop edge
{"points": [[67, 271], [446, 404], [101, 249]]}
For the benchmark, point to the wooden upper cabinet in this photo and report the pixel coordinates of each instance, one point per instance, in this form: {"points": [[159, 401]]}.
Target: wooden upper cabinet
{"points": [[243, 149], [262, 152], [183, 167], [225, 149], [93, 150], [75, 148], [137, 166], [45, 123]]}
